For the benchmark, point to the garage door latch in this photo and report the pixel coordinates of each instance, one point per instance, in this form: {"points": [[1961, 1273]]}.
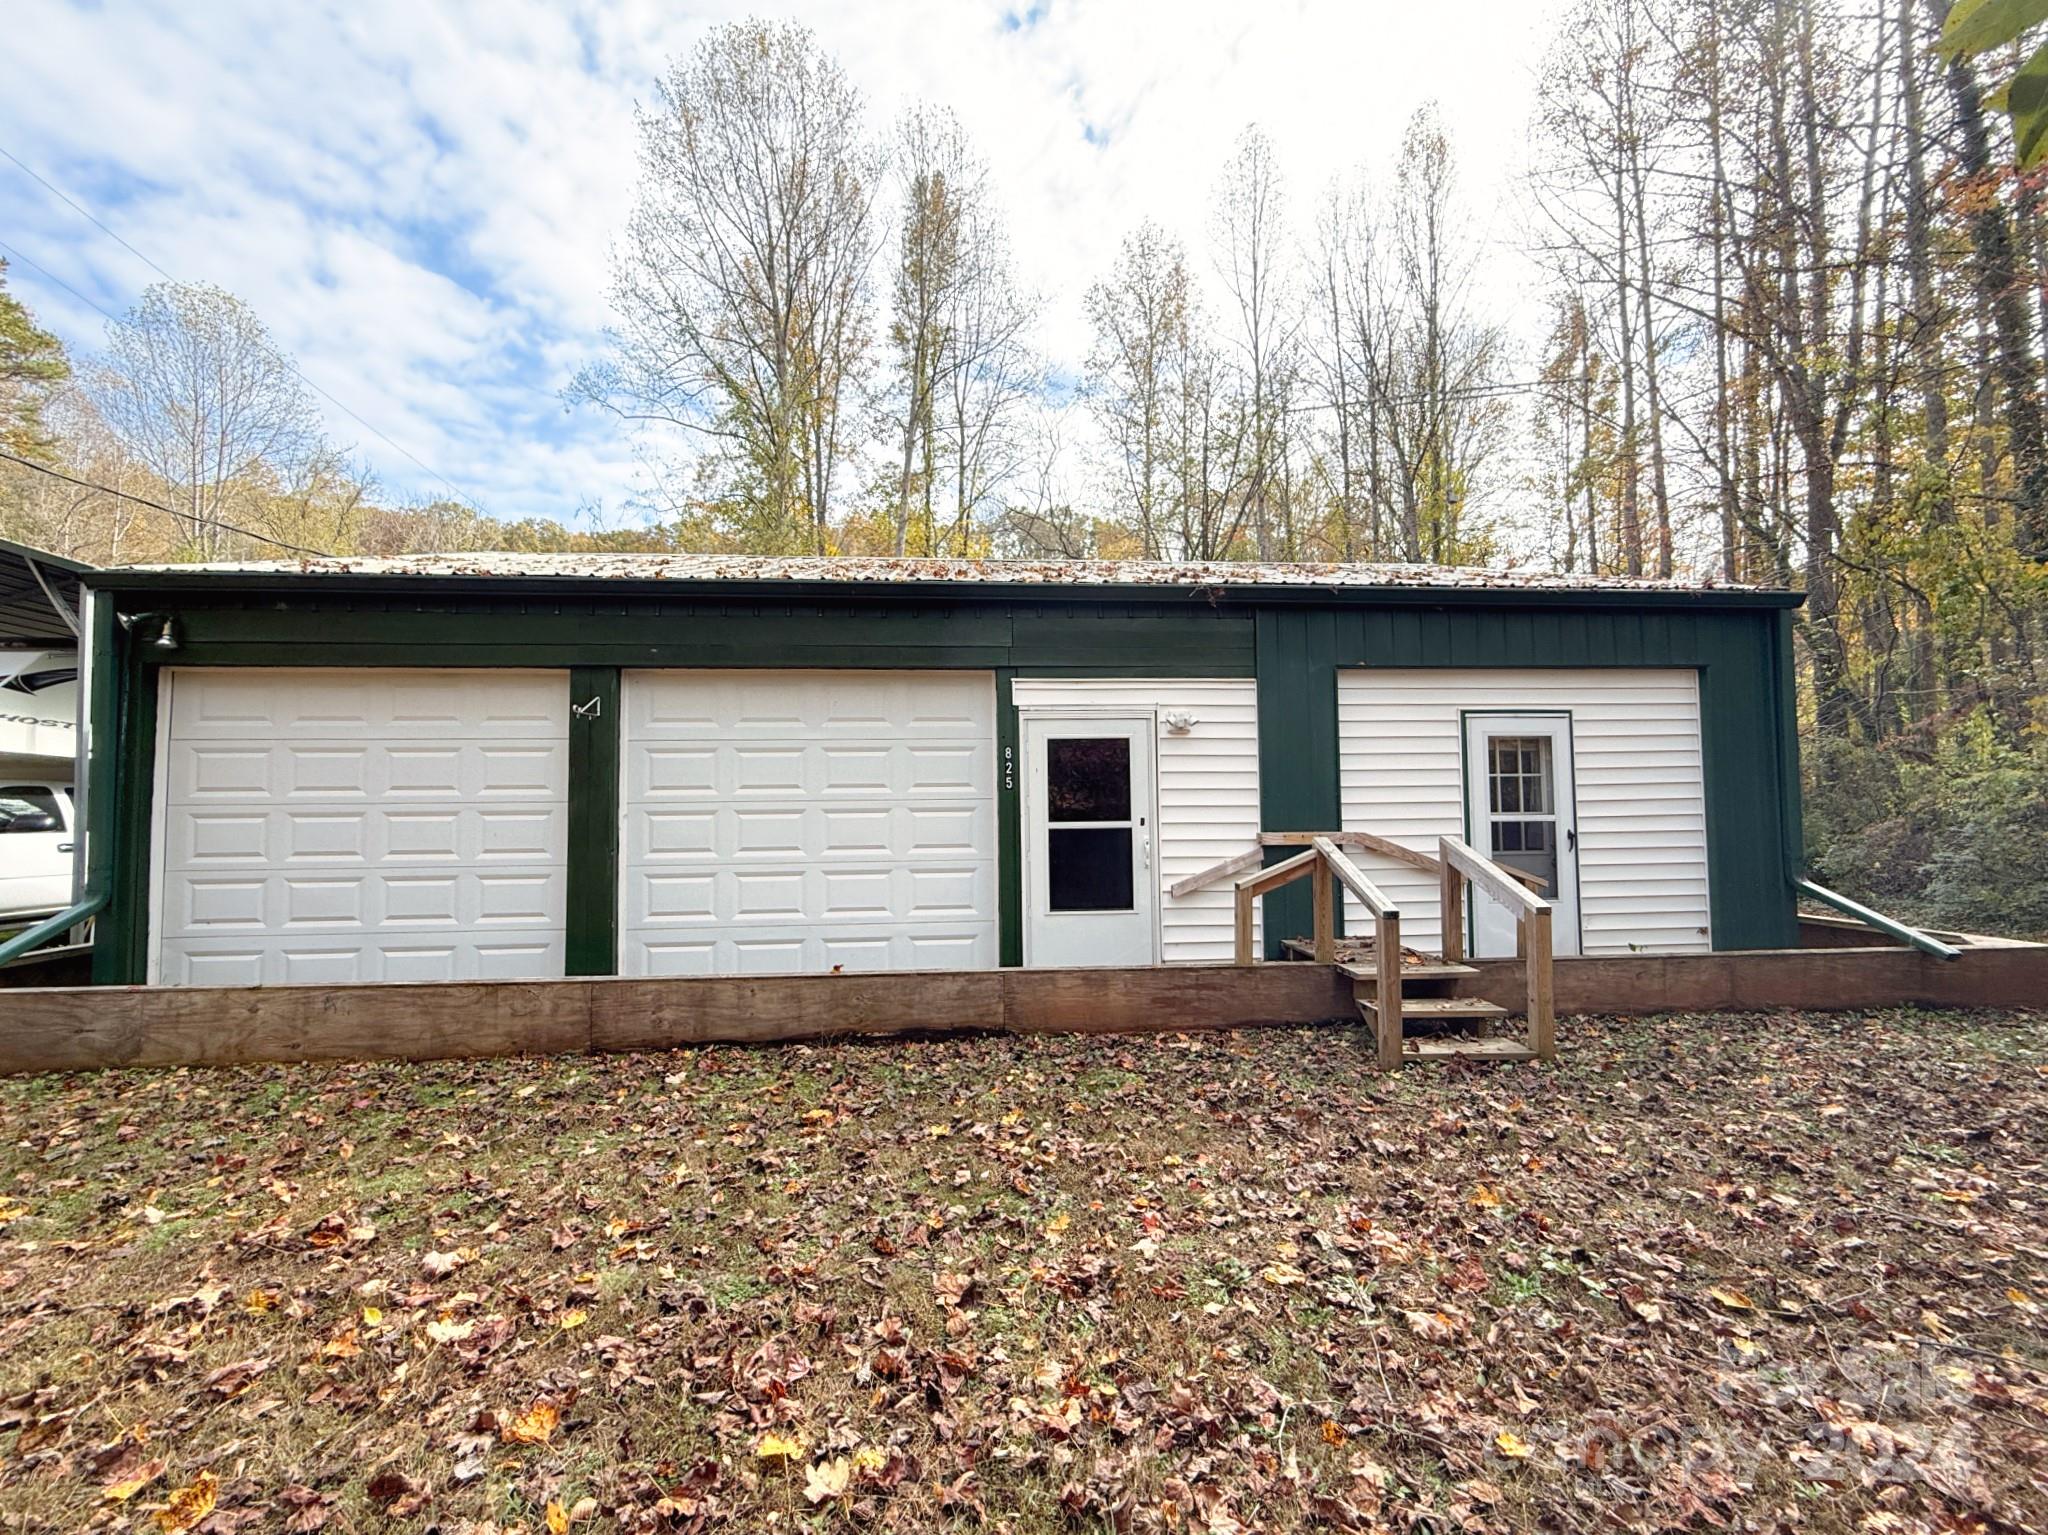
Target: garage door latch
{"points": [[589, 711]]}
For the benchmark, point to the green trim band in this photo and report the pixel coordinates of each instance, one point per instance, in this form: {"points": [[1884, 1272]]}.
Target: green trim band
{"points": [[592, 943]]}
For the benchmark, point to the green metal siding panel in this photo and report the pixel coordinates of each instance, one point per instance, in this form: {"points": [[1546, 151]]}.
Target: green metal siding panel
{"points": [[1750, 754], [592, 943], [120, 949], [1203, 641], [1009, 825]]}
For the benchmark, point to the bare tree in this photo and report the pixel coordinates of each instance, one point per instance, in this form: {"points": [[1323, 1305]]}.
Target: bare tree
{"points": [[741, 286], [941, 184], [1141, 318], [991, 376], [1249, 236], [200, 394]]}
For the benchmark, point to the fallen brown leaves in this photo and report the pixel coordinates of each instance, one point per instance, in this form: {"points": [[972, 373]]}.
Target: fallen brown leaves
{"points": [[1705, 1273]]}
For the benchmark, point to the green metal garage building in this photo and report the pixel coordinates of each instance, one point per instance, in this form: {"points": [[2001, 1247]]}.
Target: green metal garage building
{"points": [[509, 766]]}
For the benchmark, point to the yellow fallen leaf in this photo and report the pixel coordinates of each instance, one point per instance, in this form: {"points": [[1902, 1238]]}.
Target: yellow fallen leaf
{"points": [[342, 1345], [1511, 1445], [780, 1447], [372, 1317], [867, 1459], [574, 1319], [536, 1425], [1282, 1274], [558, 1519], [828, 1479], [123, 1488], [1058, 1224], [1733, 1299], [189, 1505], [1484, 1198], [445, 1329]]}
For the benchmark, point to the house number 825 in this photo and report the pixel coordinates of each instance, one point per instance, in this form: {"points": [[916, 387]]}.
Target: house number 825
{"points": [[1009, 768]]}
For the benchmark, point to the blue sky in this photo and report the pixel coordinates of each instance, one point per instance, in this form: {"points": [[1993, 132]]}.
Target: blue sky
{"points": [[418, 197]]}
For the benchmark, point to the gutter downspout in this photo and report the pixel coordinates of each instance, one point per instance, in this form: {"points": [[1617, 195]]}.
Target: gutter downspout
{"points": [[50, 927], [1890, 927]]}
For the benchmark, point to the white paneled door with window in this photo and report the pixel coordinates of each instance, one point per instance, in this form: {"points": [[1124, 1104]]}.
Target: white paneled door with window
{"points": [[1090, 894], [1519, 809]]}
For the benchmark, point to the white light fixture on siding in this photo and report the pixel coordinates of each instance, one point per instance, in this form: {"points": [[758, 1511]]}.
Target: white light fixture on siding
{"points": [[1179, 723]]}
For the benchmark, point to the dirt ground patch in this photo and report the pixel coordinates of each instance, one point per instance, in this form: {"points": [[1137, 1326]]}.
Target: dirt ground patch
{"points": [[1732, 1271]]}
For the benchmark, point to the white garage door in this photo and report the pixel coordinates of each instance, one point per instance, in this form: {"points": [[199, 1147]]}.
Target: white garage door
{"points": [[334, 826], [796, 821]]}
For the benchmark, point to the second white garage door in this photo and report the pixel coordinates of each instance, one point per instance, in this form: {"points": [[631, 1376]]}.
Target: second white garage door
{"points": [[785, 821]]}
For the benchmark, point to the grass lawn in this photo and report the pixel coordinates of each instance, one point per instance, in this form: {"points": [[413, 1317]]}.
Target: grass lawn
{"points": [[1739, 1271]]}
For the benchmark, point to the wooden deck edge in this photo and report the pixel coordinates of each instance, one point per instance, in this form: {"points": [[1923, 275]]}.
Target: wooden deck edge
{"points": [[85, 1028], [1818, 979]]}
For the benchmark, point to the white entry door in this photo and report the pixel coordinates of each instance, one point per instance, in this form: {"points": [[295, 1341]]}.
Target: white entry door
{"points": [[1519, 812], [1089, 791]]}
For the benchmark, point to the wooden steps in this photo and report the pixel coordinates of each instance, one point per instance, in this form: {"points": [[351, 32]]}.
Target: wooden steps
{"points": [[1437, 1009], [1495, 1050], [1435, 1026], [1434, 970]]}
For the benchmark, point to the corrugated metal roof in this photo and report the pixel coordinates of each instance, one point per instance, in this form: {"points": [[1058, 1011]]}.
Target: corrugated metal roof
{"points": [[28, 618], [854, 570]]}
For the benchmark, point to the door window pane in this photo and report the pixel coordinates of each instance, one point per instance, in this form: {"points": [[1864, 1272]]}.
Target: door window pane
{"points": [[1518, 775], [1088, 780], [1089, 868], [1521, 792]]}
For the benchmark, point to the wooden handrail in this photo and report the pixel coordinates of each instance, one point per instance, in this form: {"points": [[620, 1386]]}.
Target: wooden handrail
{"points": [[1465, 864], [1374, 899], [1386, 848], [1216, 873], [1249, 887], [1237, 863], [1285, 872], [1499, 882]]}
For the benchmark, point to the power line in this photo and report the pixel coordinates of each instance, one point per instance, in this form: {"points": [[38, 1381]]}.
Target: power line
{"points": [[171, 511], [85, 213]]}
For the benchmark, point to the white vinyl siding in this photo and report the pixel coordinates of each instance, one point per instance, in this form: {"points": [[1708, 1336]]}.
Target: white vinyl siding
{"points": [[794, 821], [1208, 788], [361, 825], [1640, 791]]}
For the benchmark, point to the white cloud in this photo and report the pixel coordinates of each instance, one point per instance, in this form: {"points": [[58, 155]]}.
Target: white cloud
{"points": [[419, 198]]}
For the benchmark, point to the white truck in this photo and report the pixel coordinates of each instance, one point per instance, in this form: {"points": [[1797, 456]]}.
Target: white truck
{"points": [[37, 836]]}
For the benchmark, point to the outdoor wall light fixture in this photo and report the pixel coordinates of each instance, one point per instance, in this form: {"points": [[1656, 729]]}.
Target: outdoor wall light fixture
{"points": [[1179, 723], [167, 628]]}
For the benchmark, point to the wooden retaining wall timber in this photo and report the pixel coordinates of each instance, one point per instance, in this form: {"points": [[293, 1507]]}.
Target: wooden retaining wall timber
{"points": [[84, 1028], [2014, 975], [81, 1029]]}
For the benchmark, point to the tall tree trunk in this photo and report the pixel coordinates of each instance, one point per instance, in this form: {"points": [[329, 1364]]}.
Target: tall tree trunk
{"points": [[1996, 270], [1721, 221]]}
